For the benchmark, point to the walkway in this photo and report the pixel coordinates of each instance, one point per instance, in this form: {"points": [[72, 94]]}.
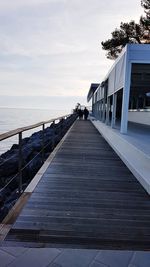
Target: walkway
{"points": [[86, 198], [55, 257], [133, 148]]}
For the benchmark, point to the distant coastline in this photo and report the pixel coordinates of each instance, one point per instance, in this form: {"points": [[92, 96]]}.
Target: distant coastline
{"points": [[42, 102]]}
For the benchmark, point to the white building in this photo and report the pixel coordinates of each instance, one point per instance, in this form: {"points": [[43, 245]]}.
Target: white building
{"points": [[121, 109], [124, 94]]}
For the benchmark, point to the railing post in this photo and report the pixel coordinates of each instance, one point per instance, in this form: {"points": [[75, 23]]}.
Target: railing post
{"points": [[20, 159], [53, 135], [61, 127], [43, 128]]}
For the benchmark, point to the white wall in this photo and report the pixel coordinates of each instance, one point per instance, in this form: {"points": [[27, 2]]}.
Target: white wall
{"points": [[139, 117]]}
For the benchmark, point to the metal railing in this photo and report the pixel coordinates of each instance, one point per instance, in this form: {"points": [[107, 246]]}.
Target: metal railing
{"points": [[19, 132]]}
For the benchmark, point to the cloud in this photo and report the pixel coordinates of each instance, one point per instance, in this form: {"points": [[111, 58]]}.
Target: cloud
{"points": [[17, 4], [52, 47], [71, 73], [46, 27]]}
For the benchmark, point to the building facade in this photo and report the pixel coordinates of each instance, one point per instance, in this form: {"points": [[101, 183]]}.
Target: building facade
{"points": [[124, 94]]}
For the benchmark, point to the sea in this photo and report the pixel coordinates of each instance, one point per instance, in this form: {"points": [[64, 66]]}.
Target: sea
{"points": [[13, 118]]}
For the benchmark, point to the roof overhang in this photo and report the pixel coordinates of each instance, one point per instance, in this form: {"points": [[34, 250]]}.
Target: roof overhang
{"points": [[92, 90]]}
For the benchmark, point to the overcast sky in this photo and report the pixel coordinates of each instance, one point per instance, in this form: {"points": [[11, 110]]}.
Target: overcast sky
{"points": [[52, 47]]}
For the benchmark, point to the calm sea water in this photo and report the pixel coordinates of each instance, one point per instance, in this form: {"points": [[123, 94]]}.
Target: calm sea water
{"points": [[12, 118]]}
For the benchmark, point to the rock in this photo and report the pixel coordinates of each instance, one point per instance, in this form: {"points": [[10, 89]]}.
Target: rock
{"points": [[3, 212], [31, 146], [2, 199]]}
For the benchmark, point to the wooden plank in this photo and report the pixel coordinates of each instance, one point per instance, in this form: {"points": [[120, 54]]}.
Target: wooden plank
{"points": [[12, 215], [108, 232], [104, 213], [86, 197]]}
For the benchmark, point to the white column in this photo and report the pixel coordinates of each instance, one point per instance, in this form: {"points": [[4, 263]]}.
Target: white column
{"points": [[114, 104], [96, 110], [93, 105], [125, 100], [107, 111], [99, 110], [103, 111]]}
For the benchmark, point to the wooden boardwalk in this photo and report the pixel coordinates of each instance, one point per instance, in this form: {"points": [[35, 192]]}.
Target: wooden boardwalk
{"points": [[86, 198]]}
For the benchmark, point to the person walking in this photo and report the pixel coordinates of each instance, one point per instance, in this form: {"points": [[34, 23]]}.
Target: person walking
{"points": [[80, 114], [85, 113]]}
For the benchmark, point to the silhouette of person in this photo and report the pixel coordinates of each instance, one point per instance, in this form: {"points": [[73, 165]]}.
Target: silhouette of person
{"points": [[85, 113], [80, 113]]}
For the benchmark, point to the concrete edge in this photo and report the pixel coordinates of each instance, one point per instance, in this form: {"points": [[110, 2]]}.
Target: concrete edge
{"points": [[135, 159]]}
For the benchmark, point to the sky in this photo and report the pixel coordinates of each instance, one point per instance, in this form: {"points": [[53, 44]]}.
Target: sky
{"points": [[51, 49]]}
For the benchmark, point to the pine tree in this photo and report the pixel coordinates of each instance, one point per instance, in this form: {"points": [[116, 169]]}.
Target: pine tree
{"points": [[145, 21], [129, 33], [146, 5]]}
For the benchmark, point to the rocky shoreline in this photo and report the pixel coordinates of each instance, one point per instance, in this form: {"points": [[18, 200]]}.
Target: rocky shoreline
{"points": [[31, 146]]}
